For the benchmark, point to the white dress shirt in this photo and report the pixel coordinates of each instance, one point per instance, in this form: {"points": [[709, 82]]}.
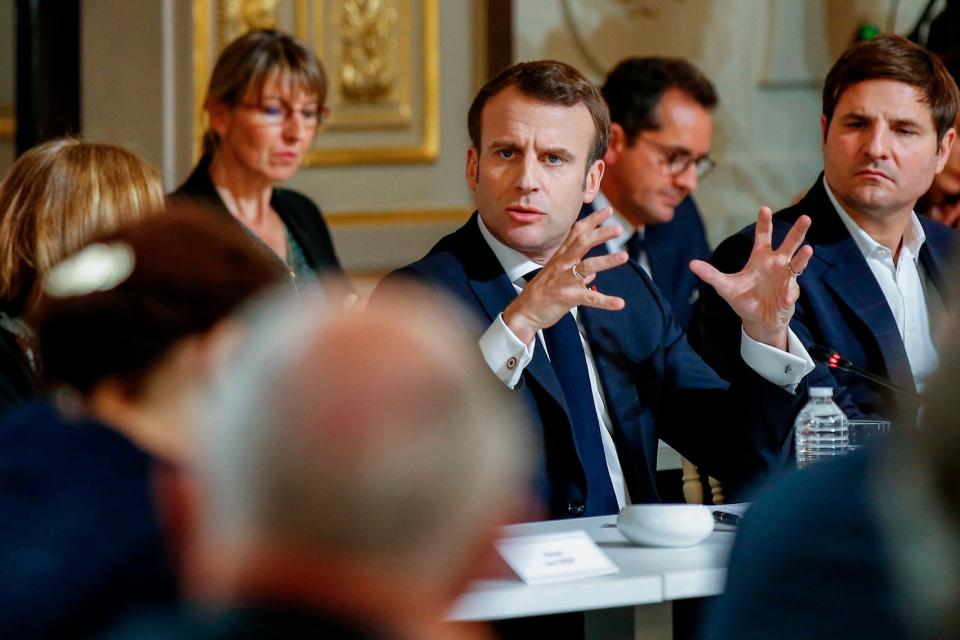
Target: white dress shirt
{"points": [[902, 286], [507, 357]]}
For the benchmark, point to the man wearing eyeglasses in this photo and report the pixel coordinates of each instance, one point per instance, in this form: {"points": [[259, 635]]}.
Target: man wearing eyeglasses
{"points": [[661, 127]]}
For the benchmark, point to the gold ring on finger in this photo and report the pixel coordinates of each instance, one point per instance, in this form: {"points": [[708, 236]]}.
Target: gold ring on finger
{"points": [[795, 274], [576, 273]]}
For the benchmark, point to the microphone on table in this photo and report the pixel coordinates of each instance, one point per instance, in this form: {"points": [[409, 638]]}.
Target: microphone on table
{"points": [[834, 360]]}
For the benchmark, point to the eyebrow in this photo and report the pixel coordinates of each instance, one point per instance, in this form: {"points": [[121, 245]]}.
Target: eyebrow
{"points": [[280, 98], [557, 151], [906, 122], [508, 144], [681, 151], [897, 122]]}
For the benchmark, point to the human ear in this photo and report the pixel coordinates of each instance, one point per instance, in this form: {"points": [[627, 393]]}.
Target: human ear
{"points": [[618, 140], [946, 144], [591, 182], [473, 168], [218, 114]]}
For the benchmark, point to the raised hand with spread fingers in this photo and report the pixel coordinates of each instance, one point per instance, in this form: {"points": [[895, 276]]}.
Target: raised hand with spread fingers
{"points": [[564, 281], [764, 293]]}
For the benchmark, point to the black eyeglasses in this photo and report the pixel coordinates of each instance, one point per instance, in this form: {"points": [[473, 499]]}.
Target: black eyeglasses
{"points": [[675, 161]]}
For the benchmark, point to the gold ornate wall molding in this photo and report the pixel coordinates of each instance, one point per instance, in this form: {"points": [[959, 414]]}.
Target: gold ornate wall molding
{"points": [[236, 17], [381, 58], [394, 217]]}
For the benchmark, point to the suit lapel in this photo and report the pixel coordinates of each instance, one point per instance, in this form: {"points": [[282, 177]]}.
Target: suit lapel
{"points": [[846, 273], [662, 261], [937, 267], [494, 291]]}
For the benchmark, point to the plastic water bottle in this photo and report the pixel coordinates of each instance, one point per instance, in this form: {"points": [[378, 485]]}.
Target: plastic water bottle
{"points": [[820, 429]]}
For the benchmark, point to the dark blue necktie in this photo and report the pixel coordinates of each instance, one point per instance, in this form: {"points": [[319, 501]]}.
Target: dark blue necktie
{"points": [[636, 246], [570, 365]]}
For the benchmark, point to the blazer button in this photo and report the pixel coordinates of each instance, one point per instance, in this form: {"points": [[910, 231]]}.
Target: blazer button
{"points": [[574, 509]]}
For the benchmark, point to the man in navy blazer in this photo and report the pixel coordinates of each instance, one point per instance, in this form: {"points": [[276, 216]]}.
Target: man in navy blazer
{"points": [[582, 335], [660, 133], [875, 289]]}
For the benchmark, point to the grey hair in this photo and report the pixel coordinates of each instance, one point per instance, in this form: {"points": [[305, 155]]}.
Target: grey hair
{"points": [[316, 438]]}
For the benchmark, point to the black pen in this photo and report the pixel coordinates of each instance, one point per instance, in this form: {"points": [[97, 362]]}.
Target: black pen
{"points": [[727, 518]]}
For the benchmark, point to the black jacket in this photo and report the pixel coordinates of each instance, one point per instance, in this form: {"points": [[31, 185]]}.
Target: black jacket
{"points": [[300, 216], [18, 382]]}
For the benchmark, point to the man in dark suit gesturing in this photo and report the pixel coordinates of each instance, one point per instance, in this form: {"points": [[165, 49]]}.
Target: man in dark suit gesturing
{"points": [[583, 336], [875, 288], [660, 133]]}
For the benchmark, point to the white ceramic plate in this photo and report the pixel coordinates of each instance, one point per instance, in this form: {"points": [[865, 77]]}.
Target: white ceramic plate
{"points": [[665, 525]]}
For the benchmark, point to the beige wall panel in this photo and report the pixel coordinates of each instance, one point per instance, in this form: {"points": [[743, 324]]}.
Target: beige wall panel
{"points": [[372, 250], [122, 88]]}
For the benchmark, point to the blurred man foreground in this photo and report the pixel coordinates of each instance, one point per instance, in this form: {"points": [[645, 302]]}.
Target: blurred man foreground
{"points": [[354, 476]]}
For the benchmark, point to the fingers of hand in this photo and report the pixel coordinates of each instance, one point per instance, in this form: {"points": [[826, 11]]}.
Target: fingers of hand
{"points": [[801, 259], [597, 217], [596, 264], [601, 301], [590, 228], [582, 239], [795, 236], [707, 272], [764, 228]]}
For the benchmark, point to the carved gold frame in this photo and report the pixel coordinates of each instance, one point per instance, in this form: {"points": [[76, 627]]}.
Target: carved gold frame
{"points": [[425, 149], [398, 114]]}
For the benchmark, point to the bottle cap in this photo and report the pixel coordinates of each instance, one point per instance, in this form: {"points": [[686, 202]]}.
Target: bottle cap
{"points": [[821, 392]]}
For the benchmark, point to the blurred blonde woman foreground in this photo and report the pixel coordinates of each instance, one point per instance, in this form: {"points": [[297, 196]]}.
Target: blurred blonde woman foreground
{"points": [[57, 196], [125, 328]]}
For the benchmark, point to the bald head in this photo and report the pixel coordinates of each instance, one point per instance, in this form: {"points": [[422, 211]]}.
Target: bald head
{"points": [[378, 434], [383, 383]]}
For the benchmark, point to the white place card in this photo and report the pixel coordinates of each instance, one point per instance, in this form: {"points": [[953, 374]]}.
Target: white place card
{"points": [[555, 556]]}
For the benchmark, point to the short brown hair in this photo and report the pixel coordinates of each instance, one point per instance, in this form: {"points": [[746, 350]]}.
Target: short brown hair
{"points": [[550, 82], [55, 197], [635, 86], [189, 269], [892, 57], [253, 58]]}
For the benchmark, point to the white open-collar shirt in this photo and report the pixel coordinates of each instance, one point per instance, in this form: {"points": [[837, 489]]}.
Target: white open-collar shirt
{"points": [[903, 288]]}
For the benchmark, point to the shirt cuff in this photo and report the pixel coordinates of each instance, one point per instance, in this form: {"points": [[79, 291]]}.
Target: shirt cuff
{"points": [[504, 353], [783, 368]]}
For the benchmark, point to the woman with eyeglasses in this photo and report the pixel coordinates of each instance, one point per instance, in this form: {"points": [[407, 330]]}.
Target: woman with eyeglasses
{"points": [[265, 103]]}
